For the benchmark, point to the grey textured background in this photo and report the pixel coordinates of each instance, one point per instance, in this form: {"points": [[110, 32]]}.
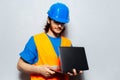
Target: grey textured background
{"points": [[95, 24]]}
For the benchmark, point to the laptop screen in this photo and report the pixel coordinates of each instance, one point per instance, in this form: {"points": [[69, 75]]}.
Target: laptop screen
{"points": [[73, 57]]}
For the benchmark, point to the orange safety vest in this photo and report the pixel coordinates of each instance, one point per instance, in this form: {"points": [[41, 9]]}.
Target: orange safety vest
{"points": [[47, 54]]}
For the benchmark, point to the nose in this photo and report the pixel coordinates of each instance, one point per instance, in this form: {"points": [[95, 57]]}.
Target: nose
{"points": [[59, 25]]}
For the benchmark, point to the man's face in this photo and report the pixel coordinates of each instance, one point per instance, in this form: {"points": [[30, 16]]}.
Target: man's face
{"points": [[56, 27]]}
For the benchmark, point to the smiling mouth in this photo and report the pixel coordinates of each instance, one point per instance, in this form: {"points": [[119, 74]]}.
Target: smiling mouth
{"points": [[59, 28]]}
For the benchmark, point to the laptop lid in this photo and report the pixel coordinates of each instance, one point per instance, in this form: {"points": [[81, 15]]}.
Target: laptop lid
{"points": [[73, 57]]}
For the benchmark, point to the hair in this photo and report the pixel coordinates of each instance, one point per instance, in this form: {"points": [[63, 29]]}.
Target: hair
{"points": [[47, 26]]}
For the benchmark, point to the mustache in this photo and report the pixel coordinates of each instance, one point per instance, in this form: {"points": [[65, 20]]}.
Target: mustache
{"points": [[60, 28]]}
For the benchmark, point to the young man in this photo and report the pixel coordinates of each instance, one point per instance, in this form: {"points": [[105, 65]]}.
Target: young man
{"points": [[40, 56]]}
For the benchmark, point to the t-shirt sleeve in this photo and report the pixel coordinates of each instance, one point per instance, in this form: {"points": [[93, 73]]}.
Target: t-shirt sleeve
{"points": [[29, 54]]}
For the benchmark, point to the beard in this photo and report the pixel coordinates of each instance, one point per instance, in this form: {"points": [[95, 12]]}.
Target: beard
{"points": [[55, 33]]}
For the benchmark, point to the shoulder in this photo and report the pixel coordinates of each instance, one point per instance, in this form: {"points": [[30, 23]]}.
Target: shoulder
{"points": [[66, 40], [39, 34], [30, 42]]}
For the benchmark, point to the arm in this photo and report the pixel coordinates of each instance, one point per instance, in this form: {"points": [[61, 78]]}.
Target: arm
{"points": [[29, 57], [25, 67], [44, 70]]}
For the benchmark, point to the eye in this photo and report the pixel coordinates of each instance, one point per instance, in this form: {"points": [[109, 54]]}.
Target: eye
{"points": [[59, 23]]}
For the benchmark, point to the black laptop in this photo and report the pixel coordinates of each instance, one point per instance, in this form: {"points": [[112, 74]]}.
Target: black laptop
{"points": [[73, 57]]}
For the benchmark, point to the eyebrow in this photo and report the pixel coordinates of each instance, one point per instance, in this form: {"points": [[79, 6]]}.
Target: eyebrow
{"points": [[58, 22]]}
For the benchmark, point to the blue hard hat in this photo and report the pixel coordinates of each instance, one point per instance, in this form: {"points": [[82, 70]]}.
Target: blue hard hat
{"points": [[59, 12]]}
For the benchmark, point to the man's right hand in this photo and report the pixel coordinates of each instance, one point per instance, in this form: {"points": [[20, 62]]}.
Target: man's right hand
{"points": [[46, 70]]}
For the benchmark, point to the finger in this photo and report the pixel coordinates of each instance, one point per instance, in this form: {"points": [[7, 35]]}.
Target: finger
{"points": [[74, 72], [53, 67], [48, 74], [70, 74], [50, 71], [81, 72]]}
